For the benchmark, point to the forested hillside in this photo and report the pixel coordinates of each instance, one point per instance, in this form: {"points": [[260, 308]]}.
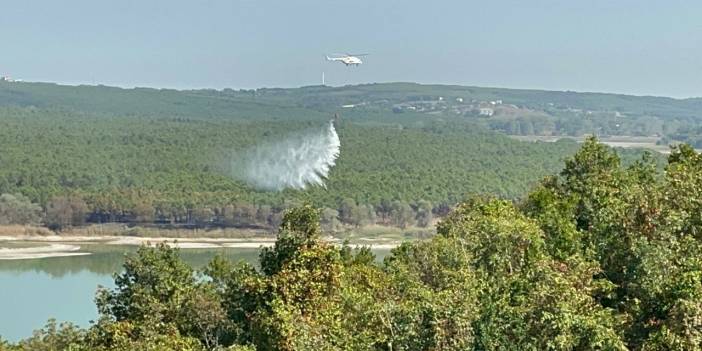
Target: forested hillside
{"points": [[144, 155], [512, 111]]}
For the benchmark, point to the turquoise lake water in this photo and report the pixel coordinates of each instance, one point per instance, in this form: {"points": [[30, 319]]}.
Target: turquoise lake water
{"points": [[32, 291]]}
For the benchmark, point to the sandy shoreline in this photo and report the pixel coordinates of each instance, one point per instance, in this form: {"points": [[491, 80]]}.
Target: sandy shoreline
{"points": [[63, 246], [50, 250]]}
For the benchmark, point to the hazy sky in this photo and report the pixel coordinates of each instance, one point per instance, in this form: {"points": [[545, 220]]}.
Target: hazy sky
{"points": [[627, 46]]}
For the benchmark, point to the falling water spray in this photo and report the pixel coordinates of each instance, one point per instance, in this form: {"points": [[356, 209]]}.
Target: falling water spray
{"points": [[295, 162]]}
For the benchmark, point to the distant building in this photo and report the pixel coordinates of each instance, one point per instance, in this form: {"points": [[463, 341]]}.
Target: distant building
{"points": [[486, 111], [7, 79]]}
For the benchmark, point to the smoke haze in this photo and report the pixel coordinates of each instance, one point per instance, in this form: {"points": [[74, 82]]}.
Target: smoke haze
{"points": [[295, 162]]}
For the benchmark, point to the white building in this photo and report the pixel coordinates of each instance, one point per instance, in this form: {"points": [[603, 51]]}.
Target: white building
{"points": [[486, 111]]}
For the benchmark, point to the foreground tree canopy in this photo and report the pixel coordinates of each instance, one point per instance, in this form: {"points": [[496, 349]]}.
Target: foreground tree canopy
{"points": [[598, 257]]}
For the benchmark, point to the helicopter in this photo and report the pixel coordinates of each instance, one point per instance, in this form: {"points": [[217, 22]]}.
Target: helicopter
{"points": [[347, 59]]}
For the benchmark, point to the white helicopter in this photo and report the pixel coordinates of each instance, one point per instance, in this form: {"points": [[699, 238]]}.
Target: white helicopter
{"points": [[348, 59]]}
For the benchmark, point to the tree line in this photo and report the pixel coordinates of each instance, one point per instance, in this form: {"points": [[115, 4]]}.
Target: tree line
{"points": [[63, 212]]}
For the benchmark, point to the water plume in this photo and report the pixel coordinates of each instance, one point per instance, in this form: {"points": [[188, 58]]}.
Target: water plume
{"points": [[294, 162]]}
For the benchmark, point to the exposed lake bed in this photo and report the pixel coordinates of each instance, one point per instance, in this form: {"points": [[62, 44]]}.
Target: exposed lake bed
{"points": [[16, 247], [40, 251], [33, 247]]}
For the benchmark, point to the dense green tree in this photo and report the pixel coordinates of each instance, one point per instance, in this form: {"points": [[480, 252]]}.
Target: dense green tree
{"points": [[144, 212], [263, 214], [348, 211], [329, 220], [424, 214], [53, 337], [402, 214], [128, 336], [203, 216], [430, 298], [18, 209], [154, 286], [241, 214], [65, 211], [530, 300]]}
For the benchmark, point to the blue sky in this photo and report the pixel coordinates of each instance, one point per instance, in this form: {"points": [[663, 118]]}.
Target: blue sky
{"points": [[637, 47]]}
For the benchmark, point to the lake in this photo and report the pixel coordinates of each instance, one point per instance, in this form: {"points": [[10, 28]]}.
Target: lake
{"points": [[34, 290]]}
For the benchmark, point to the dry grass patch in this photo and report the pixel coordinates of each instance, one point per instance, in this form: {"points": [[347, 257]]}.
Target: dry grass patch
{"points": [[15, 230]]}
